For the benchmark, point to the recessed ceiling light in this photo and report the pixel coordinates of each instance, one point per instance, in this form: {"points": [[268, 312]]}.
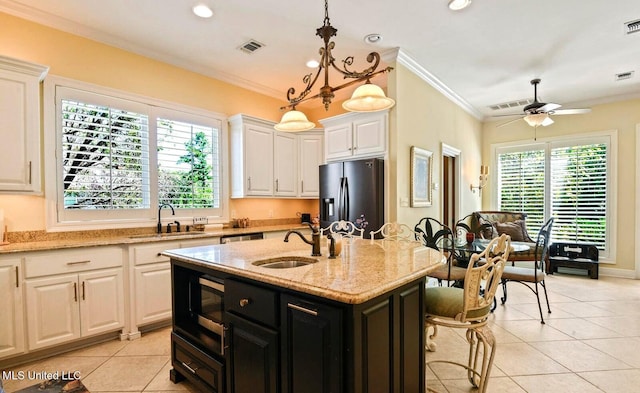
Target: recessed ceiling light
{"points": [[372, 38], [313, 64], [202, 11], [457, 5]]}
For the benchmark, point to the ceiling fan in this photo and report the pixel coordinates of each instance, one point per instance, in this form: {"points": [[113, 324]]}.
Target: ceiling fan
{"points": [[538, 113]]}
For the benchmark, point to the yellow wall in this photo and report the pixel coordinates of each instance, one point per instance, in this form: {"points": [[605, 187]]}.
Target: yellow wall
{"points": [[621, 116], [425, 118], [85, 60]]}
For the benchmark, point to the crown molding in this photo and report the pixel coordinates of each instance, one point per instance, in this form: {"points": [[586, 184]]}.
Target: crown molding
{"points": [[404, 58]]}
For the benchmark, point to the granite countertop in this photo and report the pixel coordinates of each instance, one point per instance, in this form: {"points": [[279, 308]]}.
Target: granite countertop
{"points": [[91, 240], [365, 268]]}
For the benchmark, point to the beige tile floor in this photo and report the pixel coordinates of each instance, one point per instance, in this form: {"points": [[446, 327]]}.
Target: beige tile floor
{"points": [[591, 343]]}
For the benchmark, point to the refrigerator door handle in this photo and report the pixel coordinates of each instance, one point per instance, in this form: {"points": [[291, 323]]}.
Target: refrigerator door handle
{"points": [[341, 200], [346, 199]]}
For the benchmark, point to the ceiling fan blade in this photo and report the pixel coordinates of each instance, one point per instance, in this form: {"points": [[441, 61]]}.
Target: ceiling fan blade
{"points": [[577, 111], [509, 122], [507, 115], [548, 107]]}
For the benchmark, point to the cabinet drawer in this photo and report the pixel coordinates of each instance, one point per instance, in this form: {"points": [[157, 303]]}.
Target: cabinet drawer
{"points": [[192, 362], [152, 253], [70, 261], [251, 301]]}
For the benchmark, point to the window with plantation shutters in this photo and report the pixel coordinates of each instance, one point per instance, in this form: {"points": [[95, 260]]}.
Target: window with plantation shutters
{"points": [[105, 157], [188, 170], [521, 184], [579, 193], [119, 156], [569, 180]]}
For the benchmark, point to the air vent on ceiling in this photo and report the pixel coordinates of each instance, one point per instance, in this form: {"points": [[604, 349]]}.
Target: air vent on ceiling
{"points": [[624, 75], [512, 104], [632, 27], [250, 46]]}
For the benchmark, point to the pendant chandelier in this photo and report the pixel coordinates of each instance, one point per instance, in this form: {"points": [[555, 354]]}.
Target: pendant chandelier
{"points": [[366, 98]]}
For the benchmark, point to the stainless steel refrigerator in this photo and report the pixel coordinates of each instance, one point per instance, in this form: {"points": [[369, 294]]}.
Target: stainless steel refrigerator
{"points": [[353, 191]]}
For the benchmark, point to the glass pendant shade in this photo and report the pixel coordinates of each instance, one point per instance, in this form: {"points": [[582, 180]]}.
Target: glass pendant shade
{"points": [[368, 98], [294, 121], [538, 119]]}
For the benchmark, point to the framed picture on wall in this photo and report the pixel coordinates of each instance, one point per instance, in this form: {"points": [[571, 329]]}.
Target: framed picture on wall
{"points": [[421, 163]]}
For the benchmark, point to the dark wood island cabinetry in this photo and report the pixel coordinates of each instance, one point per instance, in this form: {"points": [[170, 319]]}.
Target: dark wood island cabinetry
{"points": [[324, 327]]}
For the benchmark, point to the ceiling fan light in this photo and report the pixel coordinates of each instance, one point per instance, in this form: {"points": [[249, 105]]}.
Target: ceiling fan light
{"points": [[294, 121], [547, 122], [538, 119], [368, 98], [457, 5]]}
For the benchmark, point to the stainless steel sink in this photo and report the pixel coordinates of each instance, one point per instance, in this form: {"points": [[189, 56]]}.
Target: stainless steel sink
{"points": [[285, 262]]}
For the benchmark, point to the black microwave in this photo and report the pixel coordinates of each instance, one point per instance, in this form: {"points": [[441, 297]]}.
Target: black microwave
{"points": [[206, 303]]}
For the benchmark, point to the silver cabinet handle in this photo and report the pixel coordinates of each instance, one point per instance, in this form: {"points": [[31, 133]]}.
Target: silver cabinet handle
{"points": [[193, 371], [249, 183], [302, 185], [30, 165], [277, 186], [303, 309], [77, 263]]}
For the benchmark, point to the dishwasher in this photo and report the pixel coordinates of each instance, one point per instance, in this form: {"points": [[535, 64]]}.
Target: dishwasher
{"points": [[241, 237]]}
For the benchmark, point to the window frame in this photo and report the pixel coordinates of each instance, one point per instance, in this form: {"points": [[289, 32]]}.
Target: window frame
{"points": [[547, 144], [153, 108]]}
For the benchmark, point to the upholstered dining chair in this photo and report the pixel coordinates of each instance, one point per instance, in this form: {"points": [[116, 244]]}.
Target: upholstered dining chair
{"points": [[438, 236], [471, 224], [531, 276], [469, 308]]}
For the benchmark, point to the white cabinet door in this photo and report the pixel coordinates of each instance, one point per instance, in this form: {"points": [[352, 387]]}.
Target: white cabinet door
{"points": [[20, 125], [258, 159], [310, 148], [11, 328], [52, 310], [152, 292], [356, 135], [101, 301], [369, 135], [285, 164], [338, 141]]}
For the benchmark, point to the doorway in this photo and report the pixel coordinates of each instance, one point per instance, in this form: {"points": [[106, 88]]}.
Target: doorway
{"points": [[450, 185]]}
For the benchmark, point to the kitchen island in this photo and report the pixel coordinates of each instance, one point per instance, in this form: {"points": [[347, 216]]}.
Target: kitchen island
{"points": [[349, 324]]}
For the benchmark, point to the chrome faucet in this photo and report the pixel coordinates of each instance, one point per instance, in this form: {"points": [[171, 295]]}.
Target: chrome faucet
{"points": [[314, 242], [173, 212]]}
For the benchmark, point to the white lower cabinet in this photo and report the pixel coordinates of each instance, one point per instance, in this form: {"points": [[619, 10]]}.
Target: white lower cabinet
{"points": [[11, 328], [71, 295], [153, 293], [151, 288]]}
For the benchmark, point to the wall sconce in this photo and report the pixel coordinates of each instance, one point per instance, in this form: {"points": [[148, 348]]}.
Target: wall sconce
{"points": [[484, 178]]}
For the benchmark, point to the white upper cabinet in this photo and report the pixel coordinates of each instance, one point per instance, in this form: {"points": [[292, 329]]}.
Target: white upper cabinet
{"points": [[285, 164], [269, 163], [310, 158], [356, 135], [251, 156], [20, 125]]}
